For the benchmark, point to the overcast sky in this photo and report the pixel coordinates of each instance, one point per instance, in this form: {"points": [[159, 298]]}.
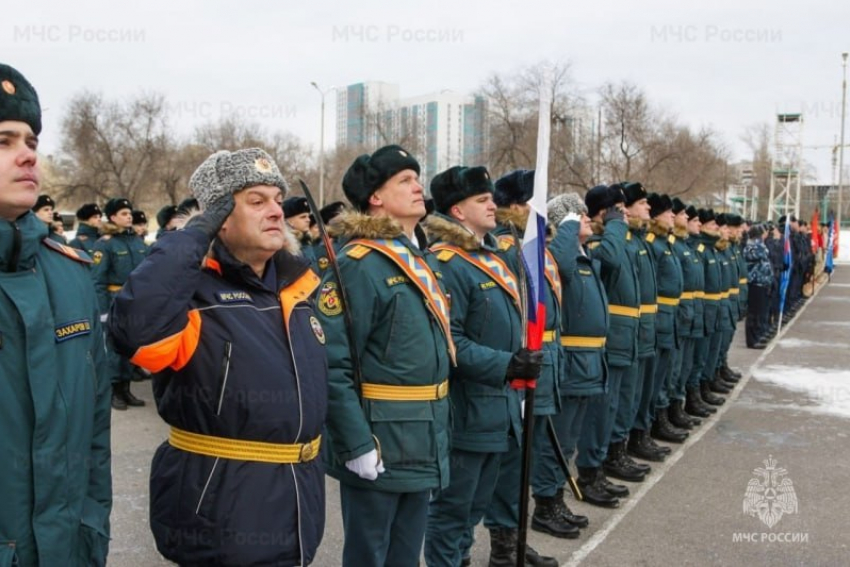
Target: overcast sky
{"points": [[726, 65]]}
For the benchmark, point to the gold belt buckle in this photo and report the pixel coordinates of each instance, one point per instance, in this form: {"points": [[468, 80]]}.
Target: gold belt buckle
{"points": [[443, 389], [307, 452]]}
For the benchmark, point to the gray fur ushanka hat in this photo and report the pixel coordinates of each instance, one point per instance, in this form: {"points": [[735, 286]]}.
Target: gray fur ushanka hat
{"points": [[230, 172]]}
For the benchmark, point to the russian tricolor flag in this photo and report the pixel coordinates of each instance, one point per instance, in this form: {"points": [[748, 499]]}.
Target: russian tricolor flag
{"points": [[534, 238]]}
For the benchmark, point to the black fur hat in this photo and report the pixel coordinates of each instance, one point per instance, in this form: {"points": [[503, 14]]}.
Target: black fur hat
{"points": [[369, 172], [457, 183]]}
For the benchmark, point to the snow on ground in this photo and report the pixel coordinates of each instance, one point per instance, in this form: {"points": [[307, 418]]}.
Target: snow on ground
{"points": [[828, 388], [803, 343]]}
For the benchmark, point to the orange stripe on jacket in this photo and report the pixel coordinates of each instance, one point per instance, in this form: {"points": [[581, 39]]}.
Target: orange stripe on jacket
{"points": [[296, 293], [174, 351]]}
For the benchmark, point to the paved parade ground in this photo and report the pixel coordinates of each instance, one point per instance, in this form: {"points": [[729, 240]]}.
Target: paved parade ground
{"points": [[788, 417]]}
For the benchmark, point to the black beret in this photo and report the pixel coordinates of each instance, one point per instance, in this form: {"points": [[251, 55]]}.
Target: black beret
{"points": [[692, 212], [598, 198], [43, 201], [88, 211], [115, 205], [295, 206], [658, 204], [368, 173], [678, 206], [633, 192], [330, 211], [705, 215], [139, 217], [515, 187], [18, 99], [165, 214], [458, 183]]}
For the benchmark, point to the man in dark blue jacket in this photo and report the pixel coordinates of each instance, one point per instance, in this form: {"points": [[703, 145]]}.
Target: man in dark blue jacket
{"points": [[221, 313]]}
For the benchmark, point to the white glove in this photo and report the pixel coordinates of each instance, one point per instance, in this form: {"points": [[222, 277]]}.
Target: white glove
{"points": [[571, 217], [104, 317], [366, 466]]}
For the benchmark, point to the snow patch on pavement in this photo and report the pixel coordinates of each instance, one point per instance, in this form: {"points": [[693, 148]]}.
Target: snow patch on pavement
{"points": [[828, 388], [803, 343]]}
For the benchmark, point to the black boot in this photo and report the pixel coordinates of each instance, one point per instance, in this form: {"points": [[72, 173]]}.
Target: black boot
{"points": [[717, 385], [618, 490], [614, 466], [651, 445], [728, 376], [466, 562], [732, 372], [536, 560], [663, 430], [707, 396], [131, 400], [642, 467], [677, 416], [638, 448], [118, 401], [502, 548], [694, 405], [575, 519], [547, 518], [593, 491]]}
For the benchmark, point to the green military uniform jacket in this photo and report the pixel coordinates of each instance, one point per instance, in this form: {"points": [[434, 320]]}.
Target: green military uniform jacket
{"points": [[399, 342], [116, 254], [713, 290], [670, 279], [647, 287], [547, 395], [743, 286], [620, 278], [584, 318], [487, 330], [689, 316], [55, 475], [728, 314], [86, 238]]}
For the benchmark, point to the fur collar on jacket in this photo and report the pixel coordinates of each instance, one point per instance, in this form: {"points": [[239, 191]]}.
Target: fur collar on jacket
{"points": [[443, 229]]}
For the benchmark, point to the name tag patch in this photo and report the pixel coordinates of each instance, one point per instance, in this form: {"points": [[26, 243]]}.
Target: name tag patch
{"points": [[487, 285], [234, 297], [73, 329], [396, 280]]}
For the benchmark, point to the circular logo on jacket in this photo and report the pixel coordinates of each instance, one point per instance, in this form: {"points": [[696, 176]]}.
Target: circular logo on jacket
{"points": [[97, 257], [323, 263], [329, 302], [317, 329], [9, 87]]}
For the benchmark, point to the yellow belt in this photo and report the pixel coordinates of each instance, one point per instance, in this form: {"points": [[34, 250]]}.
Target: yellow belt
{"points": [[688, 295], [624, 311], [724, 295], [241, 450], [699, 294], [734, 291], [584, 342], [391, 393], [114, 287], [742, 281], [548, 336], [713, 296], [648, 308], [667, 301]]}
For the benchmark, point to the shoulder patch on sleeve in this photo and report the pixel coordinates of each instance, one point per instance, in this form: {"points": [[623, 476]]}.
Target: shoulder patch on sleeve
{"points": [[701, 248], [671, 239], [505, 243], [445, 255], [358, 251], [71, 253], [650, 237]]}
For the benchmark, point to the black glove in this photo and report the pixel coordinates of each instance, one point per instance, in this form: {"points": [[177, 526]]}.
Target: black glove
{"points": [[209, 222], [525, 364]]}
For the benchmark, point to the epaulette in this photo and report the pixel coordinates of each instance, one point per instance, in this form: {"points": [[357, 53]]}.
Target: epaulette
{"points": [[701, 248], [358, 252], [445, 255], [505, 243], [71, 253], [650, 238], [592, 245], [671, 239]]}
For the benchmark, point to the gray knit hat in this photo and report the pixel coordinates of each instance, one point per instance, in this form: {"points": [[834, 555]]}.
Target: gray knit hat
{"points": [[230, 172], [560, 206]]}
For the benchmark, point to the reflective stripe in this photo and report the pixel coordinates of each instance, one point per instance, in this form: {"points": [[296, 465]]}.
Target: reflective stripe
{"points": [[648, 309], [699, 294], [390, 393], [734, 291], [548, 336], [713, 296], [242, 450], [668, 301], [624, 311], [585, 342], [724, 295], [689, 295], [742, 281], [112, 288]]}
